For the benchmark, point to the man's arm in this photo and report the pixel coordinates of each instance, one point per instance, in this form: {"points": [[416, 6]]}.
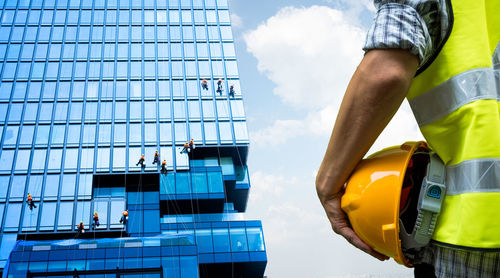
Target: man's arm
{"points": [[375, 92]]}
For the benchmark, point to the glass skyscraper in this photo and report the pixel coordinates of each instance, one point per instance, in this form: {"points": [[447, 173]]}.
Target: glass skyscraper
{"points": [[86, 88]]}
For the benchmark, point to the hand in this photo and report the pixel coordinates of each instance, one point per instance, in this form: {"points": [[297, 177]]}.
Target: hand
{"points": [[340, 225]]}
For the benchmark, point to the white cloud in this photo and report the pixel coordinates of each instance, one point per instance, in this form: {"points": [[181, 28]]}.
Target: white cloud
{"points": [[311, 54], [236, 21]]}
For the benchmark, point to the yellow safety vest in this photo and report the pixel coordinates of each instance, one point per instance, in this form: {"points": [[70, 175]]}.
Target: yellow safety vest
{"points": [[456, 103]]}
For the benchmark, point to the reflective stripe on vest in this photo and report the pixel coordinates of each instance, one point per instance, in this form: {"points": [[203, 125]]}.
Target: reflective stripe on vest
{"points": [[456, 104]]}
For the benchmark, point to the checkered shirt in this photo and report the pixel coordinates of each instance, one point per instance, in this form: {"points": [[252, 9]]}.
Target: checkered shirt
{"points": [[419, 26]]}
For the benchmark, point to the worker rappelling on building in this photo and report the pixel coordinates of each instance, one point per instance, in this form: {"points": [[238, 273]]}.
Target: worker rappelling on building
{"points": [[231, 91], [141, 162], [96, 220], [124, 218], [80, 228], [204, 84], [30, 202], [185, 148], [219, 86], [156, 160], [164, 167], [191, 144]]}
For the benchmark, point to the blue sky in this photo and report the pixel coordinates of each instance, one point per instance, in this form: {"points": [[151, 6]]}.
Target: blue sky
{"points": [[295, 60]]}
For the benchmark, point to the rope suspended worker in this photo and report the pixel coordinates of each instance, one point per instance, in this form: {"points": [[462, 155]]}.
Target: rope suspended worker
{"points": [[30, 202], [185, 148], [156, 159], [191, 144], [164, 167], [231, 91], [80, 228], [95, 219], [124, 218], [449, 75], [219, 86], [141, 162], [204, 84]]}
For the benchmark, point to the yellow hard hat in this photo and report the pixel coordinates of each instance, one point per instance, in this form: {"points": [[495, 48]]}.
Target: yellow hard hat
{"points": [[382, 195]]}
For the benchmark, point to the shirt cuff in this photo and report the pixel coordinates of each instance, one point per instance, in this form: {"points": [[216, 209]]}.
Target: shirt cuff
{"points": [[399, 26]]}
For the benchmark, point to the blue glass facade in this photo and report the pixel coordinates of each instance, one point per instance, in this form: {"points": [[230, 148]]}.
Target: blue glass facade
{"points": [[86, 87]]}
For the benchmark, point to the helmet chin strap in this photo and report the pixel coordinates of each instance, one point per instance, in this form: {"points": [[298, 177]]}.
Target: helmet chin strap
{"points": [[431, 197]]}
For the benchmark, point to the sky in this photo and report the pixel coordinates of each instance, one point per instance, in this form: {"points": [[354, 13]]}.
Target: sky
{"points": [[295, 59]]}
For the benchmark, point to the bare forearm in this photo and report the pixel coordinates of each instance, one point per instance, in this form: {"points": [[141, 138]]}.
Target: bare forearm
{"points": [[377, 89]]}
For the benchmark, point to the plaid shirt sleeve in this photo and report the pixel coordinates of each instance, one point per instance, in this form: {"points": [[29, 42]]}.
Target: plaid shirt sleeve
{"points": [[418, 26]]}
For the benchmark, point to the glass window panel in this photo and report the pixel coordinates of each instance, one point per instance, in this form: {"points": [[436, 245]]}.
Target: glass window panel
{"points": [[49, 90], [51, 186], [16, 110], [225, 132], [120, 133], [190, 69], [120, 110], [14, 213], [109, 50], [71, 159], [27, 52], [42, 134], [149, 49], [107, 86], [106, 111], [39, 159], [87, 158], [149, 69], [61, 111], [91, 111], [31, 111], [68, 51], [55, 159], [27, 134], [117, 207], [135, 110], [221, 240], [135, 133], [135, 89], [165, 133], [179, 110], [83, 34], [105, 133], [85, 186], [163, 70], [231, 68], [24, 71], [23, 158], [177, 69], [150, 110], [180, 133], [35, 186], [162, 33], [149, 89], [229, 50], [46, 112], [195, 131], [187, 32], [74, 134], [83, 214], [78, 90], [11, 133], [215, 183], [118, 158], [199, 182], [121, 89], [150, 132], [202, 49], [240, 131], [49, 216], [182, 183], [76, 111], [58, 134], [17, 187], [134, 155], [65, 215], [4, 181], [57, 34], [238, 240], [178, 88], [210, 133], [208, 109], [89, 133]]}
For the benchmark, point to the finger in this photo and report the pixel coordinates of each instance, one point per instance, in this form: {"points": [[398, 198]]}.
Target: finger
{"points": [[353, 239]]}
